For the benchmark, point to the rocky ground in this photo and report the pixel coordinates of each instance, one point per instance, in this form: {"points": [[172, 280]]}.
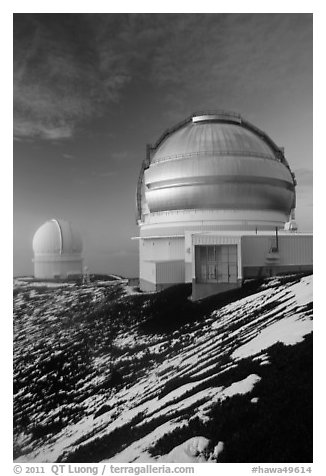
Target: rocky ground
{"points": [[104, 372]]}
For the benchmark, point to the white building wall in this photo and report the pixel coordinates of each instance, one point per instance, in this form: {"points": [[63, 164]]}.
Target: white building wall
{"points": [[188, 256], [57, 269], [162, 260], [294, 249], [170, 272], [172, 260], [161, 249], [147, 271]]}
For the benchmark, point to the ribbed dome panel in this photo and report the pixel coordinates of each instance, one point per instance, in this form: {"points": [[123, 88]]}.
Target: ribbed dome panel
{"points": [[218, 165], [212, 138]]}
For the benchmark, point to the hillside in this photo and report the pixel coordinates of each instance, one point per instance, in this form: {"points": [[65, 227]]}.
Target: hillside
{"points": [[104, 372]]}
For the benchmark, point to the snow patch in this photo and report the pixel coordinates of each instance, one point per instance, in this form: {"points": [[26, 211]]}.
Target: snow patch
{"points": [[205, 351], [289, 331], [137, 451], [303, 291], [241, 387], [197, 449]]}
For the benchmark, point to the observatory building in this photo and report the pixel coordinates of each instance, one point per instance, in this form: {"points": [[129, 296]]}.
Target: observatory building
{"points": [[214, 197], [57, 249]]}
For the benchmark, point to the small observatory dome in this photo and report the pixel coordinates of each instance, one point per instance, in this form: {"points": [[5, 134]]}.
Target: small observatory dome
{"points": [[57, 247]]}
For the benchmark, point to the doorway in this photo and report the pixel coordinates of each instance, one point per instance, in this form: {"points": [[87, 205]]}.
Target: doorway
{"points": [[216, 263]]}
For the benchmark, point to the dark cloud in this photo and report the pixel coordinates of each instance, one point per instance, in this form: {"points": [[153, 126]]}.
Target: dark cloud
{"points": [[63, 74], [213, 57], [69, 68]]}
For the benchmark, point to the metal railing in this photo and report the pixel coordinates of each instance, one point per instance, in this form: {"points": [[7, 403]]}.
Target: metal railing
{"points": [[180, 124], [220, 153]]}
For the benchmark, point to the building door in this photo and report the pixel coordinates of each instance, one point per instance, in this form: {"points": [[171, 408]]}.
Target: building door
{"points": [[216, 263], [232, 264], [211, 264]]}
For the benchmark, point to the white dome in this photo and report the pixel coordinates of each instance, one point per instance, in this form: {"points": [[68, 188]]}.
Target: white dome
{"points": [[57, 249], [57, 237]]}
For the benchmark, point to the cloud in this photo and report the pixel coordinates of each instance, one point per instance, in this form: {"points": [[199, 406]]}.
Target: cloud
{"points": [[63, 74], [213, 58], [68, 156], [69, 68], [24, 128]]}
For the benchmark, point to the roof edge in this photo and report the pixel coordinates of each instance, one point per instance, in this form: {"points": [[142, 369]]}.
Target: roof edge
{"points": [[223, 117], [218, 115]]}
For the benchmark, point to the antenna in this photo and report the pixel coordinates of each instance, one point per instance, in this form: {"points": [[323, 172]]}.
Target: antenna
{"points": [[86, 278]]}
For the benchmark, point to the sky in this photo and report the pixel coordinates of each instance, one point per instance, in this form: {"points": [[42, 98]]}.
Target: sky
{"points": [[91, 90]]}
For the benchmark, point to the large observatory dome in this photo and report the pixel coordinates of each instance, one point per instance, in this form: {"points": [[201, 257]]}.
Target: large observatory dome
{"points": [[216, 164], [57, 247], [206, 183]]}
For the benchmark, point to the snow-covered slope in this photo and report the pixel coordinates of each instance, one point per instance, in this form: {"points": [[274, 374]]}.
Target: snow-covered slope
{"points": [[91, 384]]}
